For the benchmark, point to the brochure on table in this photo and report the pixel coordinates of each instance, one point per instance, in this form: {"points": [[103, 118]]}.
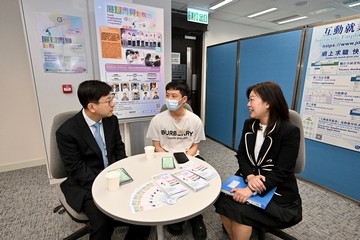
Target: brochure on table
{"points": [[170, 185], [195, 182], [165, 188], [201, 170]]}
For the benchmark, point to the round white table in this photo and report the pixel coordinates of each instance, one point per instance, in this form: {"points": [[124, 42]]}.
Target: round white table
{"points": [[116, 204]]}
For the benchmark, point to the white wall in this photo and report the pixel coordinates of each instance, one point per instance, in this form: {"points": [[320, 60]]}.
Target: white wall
{"points": [[21, 141], [21, 138]]}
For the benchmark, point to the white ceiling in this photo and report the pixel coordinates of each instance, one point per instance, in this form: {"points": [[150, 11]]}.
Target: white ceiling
{"points": [[237, 11]]}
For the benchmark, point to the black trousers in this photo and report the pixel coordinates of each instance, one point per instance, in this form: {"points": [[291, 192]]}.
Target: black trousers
{"points": [[102, 226]]}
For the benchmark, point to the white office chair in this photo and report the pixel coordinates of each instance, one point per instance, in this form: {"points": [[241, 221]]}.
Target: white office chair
{"points": [[58, 171], [186, 106], [295, 118]]}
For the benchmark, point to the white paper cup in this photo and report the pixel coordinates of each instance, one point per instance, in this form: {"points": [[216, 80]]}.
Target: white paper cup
{"points": [[149, 152], [112, 180]]}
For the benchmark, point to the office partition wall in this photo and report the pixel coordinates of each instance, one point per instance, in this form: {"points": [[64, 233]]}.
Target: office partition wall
{"points": [[276, 57], [267, 58], [220, 92]]}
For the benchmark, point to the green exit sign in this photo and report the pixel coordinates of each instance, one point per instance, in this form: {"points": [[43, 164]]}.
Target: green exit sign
{"points": [[194, 15]]}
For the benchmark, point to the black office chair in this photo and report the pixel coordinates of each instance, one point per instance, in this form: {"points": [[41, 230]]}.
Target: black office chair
{"points": [[295, 118], [58, 171]]}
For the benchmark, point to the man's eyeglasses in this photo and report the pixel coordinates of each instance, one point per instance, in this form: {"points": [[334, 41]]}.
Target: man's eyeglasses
{"points": [[108, 102]]}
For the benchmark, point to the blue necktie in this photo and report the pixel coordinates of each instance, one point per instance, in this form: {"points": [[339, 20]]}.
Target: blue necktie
{"points": [[100, 142]]}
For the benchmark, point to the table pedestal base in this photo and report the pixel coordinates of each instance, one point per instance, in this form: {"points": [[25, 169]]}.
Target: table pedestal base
{"points": [[160, 232]]}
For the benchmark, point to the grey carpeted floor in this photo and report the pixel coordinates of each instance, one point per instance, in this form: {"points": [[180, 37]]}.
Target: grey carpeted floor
{"points": [[27, 201]]}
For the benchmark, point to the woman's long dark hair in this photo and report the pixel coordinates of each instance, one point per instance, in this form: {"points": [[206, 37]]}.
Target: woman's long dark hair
{"points": [[271, 93]]}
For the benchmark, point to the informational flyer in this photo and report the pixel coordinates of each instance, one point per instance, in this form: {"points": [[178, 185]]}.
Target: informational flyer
{"points": [[330, 105], [62, 43], [130, 49]]}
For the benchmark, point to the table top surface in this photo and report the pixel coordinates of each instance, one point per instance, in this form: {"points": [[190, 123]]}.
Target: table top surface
{"points": [[117, 204]]}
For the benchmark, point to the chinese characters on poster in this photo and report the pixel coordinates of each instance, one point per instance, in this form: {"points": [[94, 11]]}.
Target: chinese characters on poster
{"points": [[130, 49], [331, 98], [62, 43]]}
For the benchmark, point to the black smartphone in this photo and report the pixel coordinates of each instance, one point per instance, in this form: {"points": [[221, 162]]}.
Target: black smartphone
{"points": [[167, 163], [181, 157]]}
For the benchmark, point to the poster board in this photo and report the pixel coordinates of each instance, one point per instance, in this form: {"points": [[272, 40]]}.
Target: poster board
{"points": [[130, 41], [323, 161], [330, 105]]}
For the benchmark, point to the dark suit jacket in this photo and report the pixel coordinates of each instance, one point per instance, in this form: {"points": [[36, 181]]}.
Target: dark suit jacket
{"points": [[276, 160], [82, 156], [156, 63]]}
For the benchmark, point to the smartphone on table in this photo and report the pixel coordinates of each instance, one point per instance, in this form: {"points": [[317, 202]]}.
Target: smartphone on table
{"points": [[167, 163], [181, 157]]}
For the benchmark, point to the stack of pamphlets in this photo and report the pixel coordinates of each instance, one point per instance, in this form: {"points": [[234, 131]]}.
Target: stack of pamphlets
{"points": [[194, 181], [170, 185], [201, 170]]}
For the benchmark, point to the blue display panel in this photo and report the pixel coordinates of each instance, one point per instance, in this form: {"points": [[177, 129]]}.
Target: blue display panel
{"points": [[267, 58], [220, 92], [272, 58]]}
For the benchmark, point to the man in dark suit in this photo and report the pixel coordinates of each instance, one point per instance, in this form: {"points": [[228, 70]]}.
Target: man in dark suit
{"points": [[157, 63], [83, 159]]}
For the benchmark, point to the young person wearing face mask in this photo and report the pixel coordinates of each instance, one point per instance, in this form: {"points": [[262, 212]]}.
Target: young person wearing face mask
{"points": [[178, 130]]}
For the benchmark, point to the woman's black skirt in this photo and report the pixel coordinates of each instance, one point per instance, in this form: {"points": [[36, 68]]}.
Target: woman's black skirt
{"points": [[276, 215]]}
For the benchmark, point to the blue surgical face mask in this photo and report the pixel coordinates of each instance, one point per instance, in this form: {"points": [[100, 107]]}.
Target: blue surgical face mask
{"points": [[172, 105]]}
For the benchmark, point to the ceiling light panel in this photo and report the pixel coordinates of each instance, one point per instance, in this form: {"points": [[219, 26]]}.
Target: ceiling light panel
{"points": [[348, 2], [262, 12], [243, 8], [354, 4], [220, 4], [291, 20]]}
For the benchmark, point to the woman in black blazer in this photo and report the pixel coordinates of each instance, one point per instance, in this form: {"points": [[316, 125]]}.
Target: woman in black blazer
{"points": [[266, 155]]}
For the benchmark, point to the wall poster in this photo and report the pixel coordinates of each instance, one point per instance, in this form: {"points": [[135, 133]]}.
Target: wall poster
{"points": [[62, 43], [130, 49], [330, 105]]}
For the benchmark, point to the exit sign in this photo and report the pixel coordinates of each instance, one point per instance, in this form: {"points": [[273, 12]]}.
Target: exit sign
{"points": [[194, 15]]}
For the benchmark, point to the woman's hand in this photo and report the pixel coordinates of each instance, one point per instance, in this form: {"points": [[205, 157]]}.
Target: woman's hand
{"points": [[256, 183], [241, 195]]}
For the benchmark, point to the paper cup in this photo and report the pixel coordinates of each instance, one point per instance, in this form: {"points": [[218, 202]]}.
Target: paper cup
{"points": [[149, 152], [113, 180]]}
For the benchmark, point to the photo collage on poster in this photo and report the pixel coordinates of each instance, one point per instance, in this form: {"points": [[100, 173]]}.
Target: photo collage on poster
{"points": [[133, 91], [140, 46], [130, 46]]}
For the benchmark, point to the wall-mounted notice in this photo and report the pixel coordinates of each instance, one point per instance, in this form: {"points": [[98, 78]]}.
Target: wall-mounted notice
{"points": [[62, 43], [130, 47], [330, 105]]}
